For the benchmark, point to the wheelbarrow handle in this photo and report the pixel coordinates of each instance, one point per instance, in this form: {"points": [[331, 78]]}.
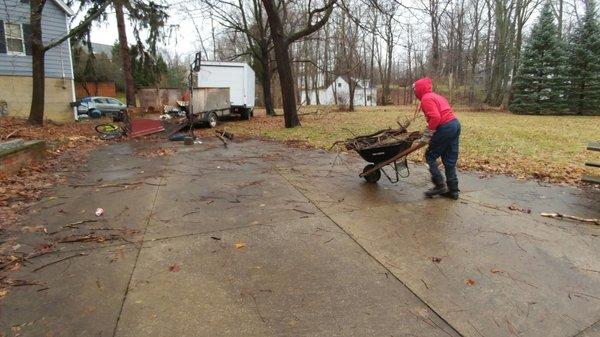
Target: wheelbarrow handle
{"points": [[393, 159]]}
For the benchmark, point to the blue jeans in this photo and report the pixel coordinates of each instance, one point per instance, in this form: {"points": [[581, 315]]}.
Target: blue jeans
{"points": [[444, 143]]}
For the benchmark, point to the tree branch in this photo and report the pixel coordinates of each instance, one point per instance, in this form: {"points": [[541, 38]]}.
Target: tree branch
{"points": [[310, 28], [82, 26]]}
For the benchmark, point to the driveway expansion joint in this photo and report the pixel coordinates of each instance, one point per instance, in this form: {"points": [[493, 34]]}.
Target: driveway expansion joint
{"points": [[137, 256]]}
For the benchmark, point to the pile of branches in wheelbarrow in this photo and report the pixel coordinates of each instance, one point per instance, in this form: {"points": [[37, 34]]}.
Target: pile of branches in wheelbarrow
{"points": [[383, 148], [380, 138]]}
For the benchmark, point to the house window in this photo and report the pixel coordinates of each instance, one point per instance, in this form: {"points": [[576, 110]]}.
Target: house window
{"points": [[14, 38], [369, 98], [339, 84]]}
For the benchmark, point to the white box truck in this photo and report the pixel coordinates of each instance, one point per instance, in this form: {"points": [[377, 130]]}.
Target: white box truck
{"points": [[239, 80]]}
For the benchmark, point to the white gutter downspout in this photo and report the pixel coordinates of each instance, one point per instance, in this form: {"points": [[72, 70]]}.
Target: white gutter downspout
{"points": [[72, 72]]}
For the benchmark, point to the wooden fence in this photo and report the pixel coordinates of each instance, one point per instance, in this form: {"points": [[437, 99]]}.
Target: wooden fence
{"points": [[107, 89]]}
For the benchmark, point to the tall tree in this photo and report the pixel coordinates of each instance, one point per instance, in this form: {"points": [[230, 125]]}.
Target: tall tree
{"points": [[584, 64], [349, 62], [248, 18], [124, 54], [282, 42], [141, 15], [38, 53], [540, 86], [435, 9]]}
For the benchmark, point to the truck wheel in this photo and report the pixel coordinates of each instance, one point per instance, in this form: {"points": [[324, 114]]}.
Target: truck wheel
{"points": [[212, 120], [245, 114]]}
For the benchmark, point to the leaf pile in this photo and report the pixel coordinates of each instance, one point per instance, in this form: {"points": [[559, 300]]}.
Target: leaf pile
{"points": [[155, 152]]}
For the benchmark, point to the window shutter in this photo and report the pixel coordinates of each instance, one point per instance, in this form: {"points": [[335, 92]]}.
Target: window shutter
{"points": [[2, 38], [27, 38]]}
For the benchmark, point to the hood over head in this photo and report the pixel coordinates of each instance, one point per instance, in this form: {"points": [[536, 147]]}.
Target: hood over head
{"points": [[422, 86]]}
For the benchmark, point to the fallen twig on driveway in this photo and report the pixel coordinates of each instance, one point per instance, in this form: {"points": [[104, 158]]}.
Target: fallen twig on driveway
{"points": [[571, 217], [60, 260], [108, 185], [73, 225], [220, 136], [189, 213], [90, 238], [14, 260], [6, 282], [302, 211]]}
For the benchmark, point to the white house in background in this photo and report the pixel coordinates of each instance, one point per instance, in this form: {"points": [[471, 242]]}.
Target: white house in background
{"points": [[364, 94]]}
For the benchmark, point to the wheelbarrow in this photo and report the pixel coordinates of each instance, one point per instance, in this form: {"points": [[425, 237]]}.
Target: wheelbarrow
{"points": [[391, 154]]}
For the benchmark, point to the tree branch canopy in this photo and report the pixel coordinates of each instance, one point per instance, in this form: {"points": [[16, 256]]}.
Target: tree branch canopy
{"points": [[81, 27], [310, 28]]}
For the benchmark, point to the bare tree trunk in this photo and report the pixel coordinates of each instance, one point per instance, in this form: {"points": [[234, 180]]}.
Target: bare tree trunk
{"points": [[267, 95], [281, 44], [284, 66], [36, 114], [125, 57], [435, 36], [351, 91], [306, 89], [560, 18]]}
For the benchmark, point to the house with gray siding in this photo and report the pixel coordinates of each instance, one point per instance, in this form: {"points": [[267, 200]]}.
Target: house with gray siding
{"points": [[15, 60]]}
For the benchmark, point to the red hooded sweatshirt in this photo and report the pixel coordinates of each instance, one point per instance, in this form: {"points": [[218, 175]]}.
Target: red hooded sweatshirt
{"points": [[436, 108]]}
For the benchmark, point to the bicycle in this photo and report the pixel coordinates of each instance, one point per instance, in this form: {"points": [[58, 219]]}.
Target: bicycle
{"points": [[112, 130]]}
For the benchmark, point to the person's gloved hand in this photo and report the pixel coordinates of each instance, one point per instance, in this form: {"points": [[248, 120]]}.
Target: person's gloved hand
{"points": [[426, 136]]}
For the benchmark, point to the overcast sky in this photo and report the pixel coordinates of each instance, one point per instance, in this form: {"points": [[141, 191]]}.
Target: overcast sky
{"points": [[188, 25], [182, 36]]}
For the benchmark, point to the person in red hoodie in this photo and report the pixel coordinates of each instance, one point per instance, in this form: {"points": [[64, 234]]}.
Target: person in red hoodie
{"points": [[442, 134]]}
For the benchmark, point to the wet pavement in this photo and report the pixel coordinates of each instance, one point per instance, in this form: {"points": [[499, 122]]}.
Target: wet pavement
{"points": [[261, 239]]}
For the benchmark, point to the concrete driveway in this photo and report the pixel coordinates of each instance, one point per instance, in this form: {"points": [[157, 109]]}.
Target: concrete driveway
{"points": [[261, 239]]}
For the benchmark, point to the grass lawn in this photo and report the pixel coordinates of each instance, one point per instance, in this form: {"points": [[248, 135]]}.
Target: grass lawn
{"points": [[550, 148]]}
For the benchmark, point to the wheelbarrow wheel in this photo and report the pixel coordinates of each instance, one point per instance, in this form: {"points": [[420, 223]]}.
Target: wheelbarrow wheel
{"points": [[374, 176]]}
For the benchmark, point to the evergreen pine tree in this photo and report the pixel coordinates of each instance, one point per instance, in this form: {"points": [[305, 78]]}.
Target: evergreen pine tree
{"points": [[540, 86], [584, 64]]}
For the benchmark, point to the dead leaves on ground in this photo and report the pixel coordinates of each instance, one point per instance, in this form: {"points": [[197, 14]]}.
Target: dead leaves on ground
{"points": [[156, 152], [66, 148]]}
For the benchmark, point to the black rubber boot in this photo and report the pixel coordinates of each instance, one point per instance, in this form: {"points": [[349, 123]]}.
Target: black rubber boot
{"points": [[439, 188], [452, 189]]}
